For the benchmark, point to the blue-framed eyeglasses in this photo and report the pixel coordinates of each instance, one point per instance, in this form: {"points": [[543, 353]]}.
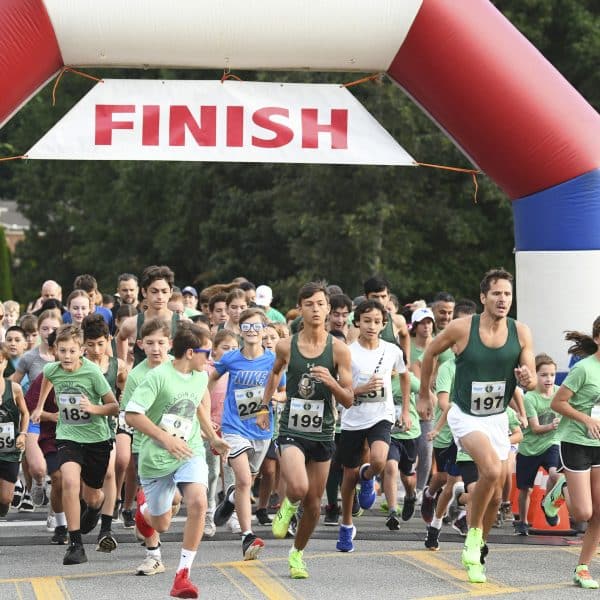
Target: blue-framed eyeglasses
{"points": [[201, 351], [249, 326]]}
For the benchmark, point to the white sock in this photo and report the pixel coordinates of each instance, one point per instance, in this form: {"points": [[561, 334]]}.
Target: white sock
{"points": [[61, 519], [426, 493], [245, 533], [294, 549], [231, 497], [154, 553], [186, 560], [436, 522], [462, 513]]}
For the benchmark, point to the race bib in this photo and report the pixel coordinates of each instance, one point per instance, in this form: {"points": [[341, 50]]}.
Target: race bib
{"points": [[69, 407], [123, 424], [177, 426], [374, 396], [7, 437], [248, 400], [487, 397], [306, 415]]}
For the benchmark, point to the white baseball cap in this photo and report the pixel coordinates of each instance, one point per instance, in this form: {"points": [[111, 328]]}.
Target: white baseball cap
{"points": [[264, 295], [420, 314]]}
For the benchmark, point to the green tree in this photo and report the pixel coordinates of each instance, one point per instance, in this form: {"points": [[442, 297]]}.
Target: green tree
{"points": [[6, 289]]}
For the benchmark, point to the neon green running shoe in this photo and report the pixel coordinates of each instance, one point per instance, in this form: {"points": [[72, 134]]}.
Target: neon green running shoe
{"points": [[471, 554], [552, 502], [583, 579], [297, 566], [282, 519], [476, 573]]}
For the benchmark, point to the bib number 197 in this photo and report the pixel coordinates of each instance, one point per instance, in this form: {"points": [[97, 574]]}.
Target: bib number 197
{"points": [[487, 397]]}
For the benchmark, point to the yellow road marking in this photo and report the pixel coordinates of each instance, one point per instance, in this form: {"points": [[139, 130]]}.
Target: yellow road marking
{"points": [[455, 575], [264, 581], [48, 588]]}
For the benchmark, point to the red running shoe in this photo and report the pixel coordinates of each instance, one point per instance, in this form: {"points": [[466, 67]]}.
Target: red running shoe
{"points": [[140, 523], [182, 586]]}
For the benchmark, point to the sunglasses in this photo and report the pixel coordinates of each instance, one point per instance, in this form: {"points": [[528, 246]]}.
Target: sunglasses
{"points": [[249, 326], [201, 351]]}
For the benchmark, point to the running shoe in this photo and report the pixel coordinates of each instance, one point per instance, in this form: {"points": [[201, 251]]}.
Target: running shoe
{"points": [[484, 552], [332, 515], [234, 524], [428, 505], [583, 579], [117, 510], [17, 494], [366, 495], [106, 542], [507, 513], [150, 566], [209, 526], [521, 528], [393, 522], [460, 525], [50, 521], [291, 532], [552, 502], [182, 586], [225, 508], [408, 508], [26, 504], [263, 517], [383, 507], [345, 537], [89, 519], [296, 563], [141, 526], [357, 511], [282, 519], [471, 554], [476, 573], [251, 546], [38, 491], [75, 555], [128, 519], [60, 537], [432, 541]]}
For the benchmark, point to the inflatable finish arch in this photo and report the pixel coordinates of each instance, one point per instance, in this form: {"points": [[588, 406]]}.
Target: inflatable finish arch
{"points": [[477, 77]]}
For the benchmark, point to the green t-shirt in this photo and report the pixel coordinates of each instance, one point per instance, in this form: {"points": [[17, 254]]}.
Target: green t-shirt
{"points": [[537, 405], [416, 354], [170, 400], [135, 377], [75, 424], [415, 429], [443, 383], [274, 315], [584, 381]]}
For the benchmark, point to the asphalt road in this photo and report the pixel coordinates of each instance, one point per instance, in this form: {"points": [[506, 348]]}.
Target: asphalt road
{"points": [[385, 564]]}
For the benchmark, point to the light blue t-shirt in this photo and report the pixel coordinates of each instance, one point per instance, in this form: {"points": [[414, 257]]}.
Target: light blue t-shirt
{"points": [[245, 389]]}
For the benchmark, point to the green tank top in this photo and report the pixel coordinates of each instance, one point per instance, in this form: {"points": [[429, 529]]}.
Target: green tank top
{"points": [[308, 412], [10, 420], [387, 333], [138, 354], [485, 381], [111, 376]]}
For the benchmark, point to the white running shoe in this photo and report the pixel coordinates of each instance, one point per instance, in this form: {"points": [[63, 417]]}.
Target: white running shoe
{"points": [[234, 524], [37, 493], [51, 522], [209, 526], [150, 566]]}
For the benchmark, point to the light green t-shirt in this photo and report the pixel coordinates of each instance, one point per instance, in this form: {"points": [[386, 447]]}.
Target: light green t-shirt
{"points": [[170, 400], [416, 354], [537, 405], [584, 381], [443, 383], [135, 377], [274, 315], [415, 429], [75, 424]]}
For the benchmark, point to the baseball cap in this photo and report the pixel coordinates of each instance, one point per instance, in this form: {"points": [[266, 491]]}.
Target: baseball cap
{"points": [[420, 314], [188, 289], [264, 295]]}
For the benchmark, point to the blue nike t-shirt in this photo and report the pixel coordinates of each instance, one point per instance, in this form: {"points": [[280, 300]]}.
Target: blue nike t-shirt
{"points": [[245, 389]]}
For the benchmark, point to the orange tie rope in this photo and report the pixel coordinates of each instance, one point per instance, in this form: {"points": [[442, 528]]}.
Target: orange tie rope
{"points": [[227, 74], [70, 70], [473, 172], [13, 157], [374, 77]]}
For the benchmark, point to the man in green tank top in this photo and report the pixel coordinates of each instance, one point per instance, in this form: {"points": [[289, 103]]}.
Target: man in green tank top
{"points": [[157, 287], [313, 359], [493, 354]]}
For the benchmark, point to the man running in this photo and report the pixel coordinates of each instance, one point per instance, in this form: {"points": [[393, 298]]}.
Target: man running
{"points": [[313, 359], [494, 353]]}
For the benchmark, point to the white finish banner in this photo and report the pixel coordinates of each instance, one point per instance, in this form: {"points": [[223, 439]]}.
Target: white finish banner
{"points": [[233, 121]]}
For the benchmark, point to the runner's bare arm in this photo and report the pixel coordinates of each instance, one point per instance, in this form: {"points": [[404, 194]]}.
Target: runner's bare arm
{"points": [[525, 373], [403, 337], [341, 388], [203, 412], [126, 331], [45, 389]]}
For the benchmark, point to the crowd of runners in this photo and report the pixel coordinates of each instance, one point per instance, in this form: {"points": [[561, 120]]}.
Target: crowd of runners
{"points": [[129, 405]]}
